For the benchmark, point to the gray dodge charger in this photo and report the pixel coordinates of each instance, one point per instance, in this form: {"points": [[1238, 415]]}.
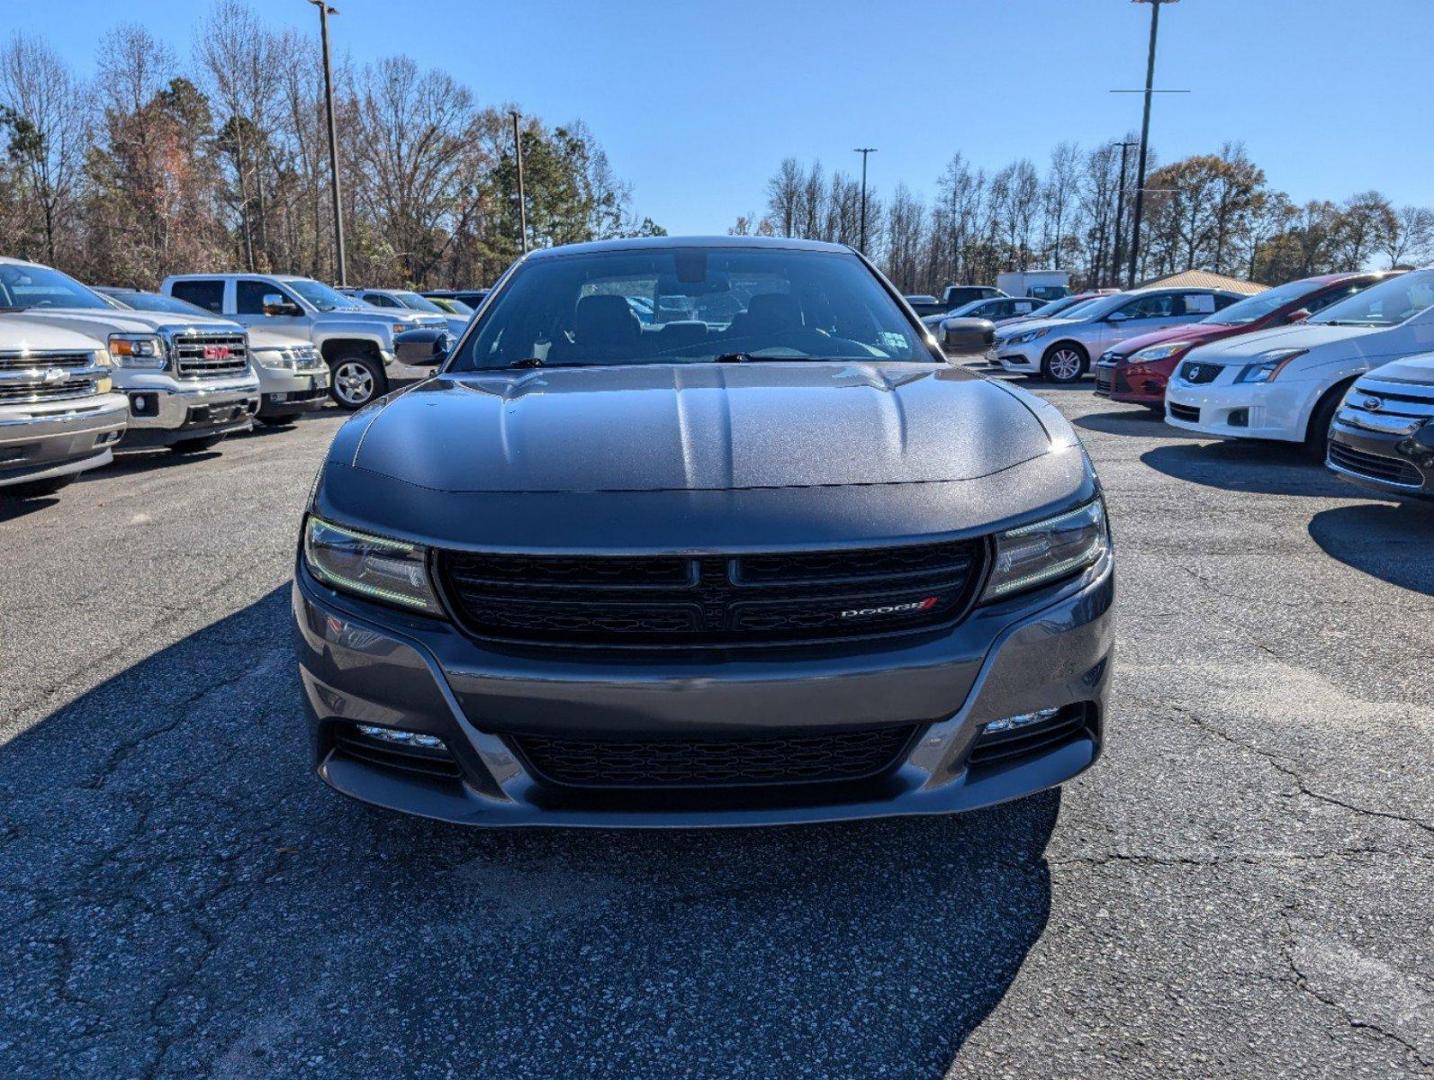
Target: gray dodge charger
{"points": [[702, 532]]}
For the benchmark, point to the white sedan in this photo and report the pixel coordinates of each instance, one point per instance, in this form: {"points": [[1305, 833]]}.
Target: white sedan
{"points": [[1286, 383]]}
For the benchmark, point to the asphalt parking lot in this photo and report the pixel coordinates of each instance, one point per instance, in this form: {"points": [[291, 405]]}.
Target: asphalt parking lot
{"points": [[1242, 886]]}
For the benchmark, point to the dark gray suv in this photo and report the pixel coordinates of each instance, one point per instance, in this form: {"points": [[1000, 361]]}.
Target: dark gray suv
{"points": [[775, 565]]}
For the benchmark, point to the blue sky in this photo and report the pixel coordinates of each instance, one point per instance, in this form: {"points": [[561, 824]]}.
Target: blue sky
{"points": [[696, 103]]}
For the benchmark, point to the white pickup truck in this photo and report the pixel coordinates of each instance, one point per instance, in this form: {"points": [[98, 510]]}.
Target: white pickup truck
{"points": [[356, 341], [188, 379], [58, 413]]}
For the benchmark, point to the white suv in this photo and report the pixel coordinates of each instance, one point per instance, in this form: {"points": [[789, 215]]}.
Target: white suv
{"points": [[1061, 349], [1286, 383]]}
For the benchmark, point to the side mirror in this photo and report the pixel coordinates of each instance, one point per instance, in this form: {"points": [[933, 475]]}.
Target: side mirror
{"points": [[1298, 316], [274, 304], [1117, 316]]}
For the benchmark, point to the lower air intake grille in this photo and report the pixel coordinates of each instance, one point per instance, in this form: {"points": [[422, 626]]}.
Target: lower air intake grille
{"points": [[1375, 466], [715, 762], [1183, 412]]}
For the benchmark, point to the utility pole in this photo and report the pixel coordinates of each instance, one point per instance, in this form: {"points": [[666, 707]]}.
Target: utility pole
{"points": [[1144, 136], [1119, 212], [864, 151], [522, 196], [324, 12]]}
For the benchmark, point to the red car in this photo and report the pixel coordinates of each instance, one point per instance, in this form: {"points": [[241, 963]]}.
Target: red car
{"points": [[1137, 370]]}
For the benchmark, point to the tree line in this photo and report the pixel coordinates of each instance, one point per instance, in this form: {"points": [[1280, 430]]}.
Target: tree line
{"points": [[162, 164], [1209, 211]]}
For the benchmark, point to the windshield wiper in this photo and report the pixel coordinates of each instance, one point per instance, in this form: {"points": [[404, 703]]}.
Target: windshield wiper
{"points": [[734, 358]]}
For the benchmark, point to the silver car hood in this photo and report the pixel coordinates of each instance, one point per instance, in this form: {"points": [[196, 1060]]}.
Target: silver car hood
{"points": [[1303, 336], [705, 427]]}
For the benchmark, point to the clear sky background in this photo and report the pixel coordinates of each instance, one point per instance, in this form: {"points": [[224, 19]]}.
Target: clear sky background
{"points": [[696, 103]]}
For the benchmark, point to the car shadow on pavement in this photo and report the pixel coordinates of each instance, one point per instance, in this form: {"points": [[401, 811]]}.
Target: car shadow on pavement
{"points": [[13, 507], [1392, 542], [1135, 421], [1268, 468], [183, 897]]}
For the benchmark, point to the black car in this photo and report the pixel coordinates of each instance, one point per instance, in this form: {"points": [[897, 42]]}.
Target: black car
{"points": [[1382, 436], [782, 565]]}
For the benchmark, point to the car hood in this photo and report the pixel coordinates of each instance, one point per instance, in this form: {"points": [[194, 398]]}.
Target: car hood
{"points": [[1411, 369], [1303, 336], [20, 332], [699, 427], [102, 322], [1196, 332]]}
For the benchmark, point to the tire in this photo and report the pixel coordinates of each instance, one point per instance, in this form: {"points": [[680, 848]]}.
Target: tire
{"points": [[1064, 363], [357, 380], [196, 446], [38, 489], [1317, 433]]}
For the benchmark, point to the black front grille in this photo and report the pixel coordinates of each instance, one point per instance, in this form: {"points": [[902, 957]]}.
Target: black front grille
{"points": [[1198, 373], [210, 356], [1375, 466], [746, 761], [1184, 412], [1023, 743], [711, 600]]}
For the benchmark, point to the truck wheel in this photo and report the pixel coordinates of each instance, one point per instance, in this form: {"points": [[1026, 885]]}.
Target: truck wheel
{"points": [[196, 446], [357, 381], [38, 489], [1064, 362], [1317, 434]]}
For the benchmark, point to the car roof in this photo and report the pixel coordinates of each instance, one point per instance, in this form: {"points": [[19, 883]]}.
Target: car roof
{"points": [[661, 243]]}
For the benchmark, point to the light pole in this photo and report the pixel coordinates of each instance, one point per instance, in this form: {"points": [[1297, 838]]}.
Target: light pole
{"points": [[522, 197], [1144, 135], [864, 151], [1119, 211], [324, 12]]}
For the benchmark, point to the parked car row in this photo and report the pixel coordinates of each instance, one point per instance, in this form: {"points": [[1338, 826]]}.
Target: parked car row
{"points": [[86, 372]]}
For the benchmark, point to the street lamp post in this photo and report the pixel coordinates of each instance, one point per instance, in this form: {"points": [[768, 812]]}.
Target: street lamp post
{"points": [[864, 151], [324, 12], [1144, 135], [522, 197], [1119, 212]]}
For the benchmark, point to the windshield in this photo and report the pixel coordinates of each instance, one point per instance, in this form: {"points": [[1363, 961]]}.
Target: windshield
{"points": [[418, 303], [972, 308], [456, 307], [321, 296], [1261, 304], [1062, 307], [736, 304], [148, 301], [1386, 304], [25, 286]]}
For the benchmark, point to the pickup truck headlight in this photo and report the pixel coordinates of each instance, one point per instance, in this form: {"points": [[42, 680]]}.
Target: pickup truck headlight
{"points": [[1042, 552], [1158, 352], [1029, 335], [276, 359], [374, 567], [143, 351], [1267, 366]]}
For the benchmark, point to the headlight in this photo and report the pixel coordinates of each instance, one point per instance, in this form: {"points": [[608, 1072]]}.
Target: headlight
{"points": [[1159, 352], [1055, 548], [276, 359], [1267, 366], [139, 351], [1029, 335], [389, 571]]}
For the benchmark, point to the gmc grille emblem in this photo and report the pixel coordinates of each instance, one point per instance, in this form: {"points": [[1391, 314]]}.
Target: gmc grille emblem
{"points": [[216, 352], [891, 609]]}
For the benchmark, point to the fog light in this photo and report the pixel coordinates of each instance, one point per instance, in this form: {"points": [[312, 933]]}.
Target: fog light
{"points": [[402, 738], [1009, 723], [139, 403], [1239, 418]]}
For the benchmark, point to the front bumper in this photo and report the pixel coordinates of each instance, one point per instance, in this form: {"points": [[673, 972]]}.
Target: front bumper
{"points": [[365, 664], [286, 393], [1277, 410], [1016, 359], [1397, 464], [40, 442], [1135, 385], [165, 410]]}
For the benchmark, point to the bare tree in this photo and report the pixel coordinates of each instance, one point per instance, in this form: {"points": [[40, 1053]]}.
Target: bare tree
{"points": [[1411, 237], [784, 196]]}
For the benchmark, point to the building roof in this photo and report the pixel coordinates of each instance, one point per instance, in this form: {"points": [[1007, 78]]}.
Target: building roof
{"points": [[1203, 279]]}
